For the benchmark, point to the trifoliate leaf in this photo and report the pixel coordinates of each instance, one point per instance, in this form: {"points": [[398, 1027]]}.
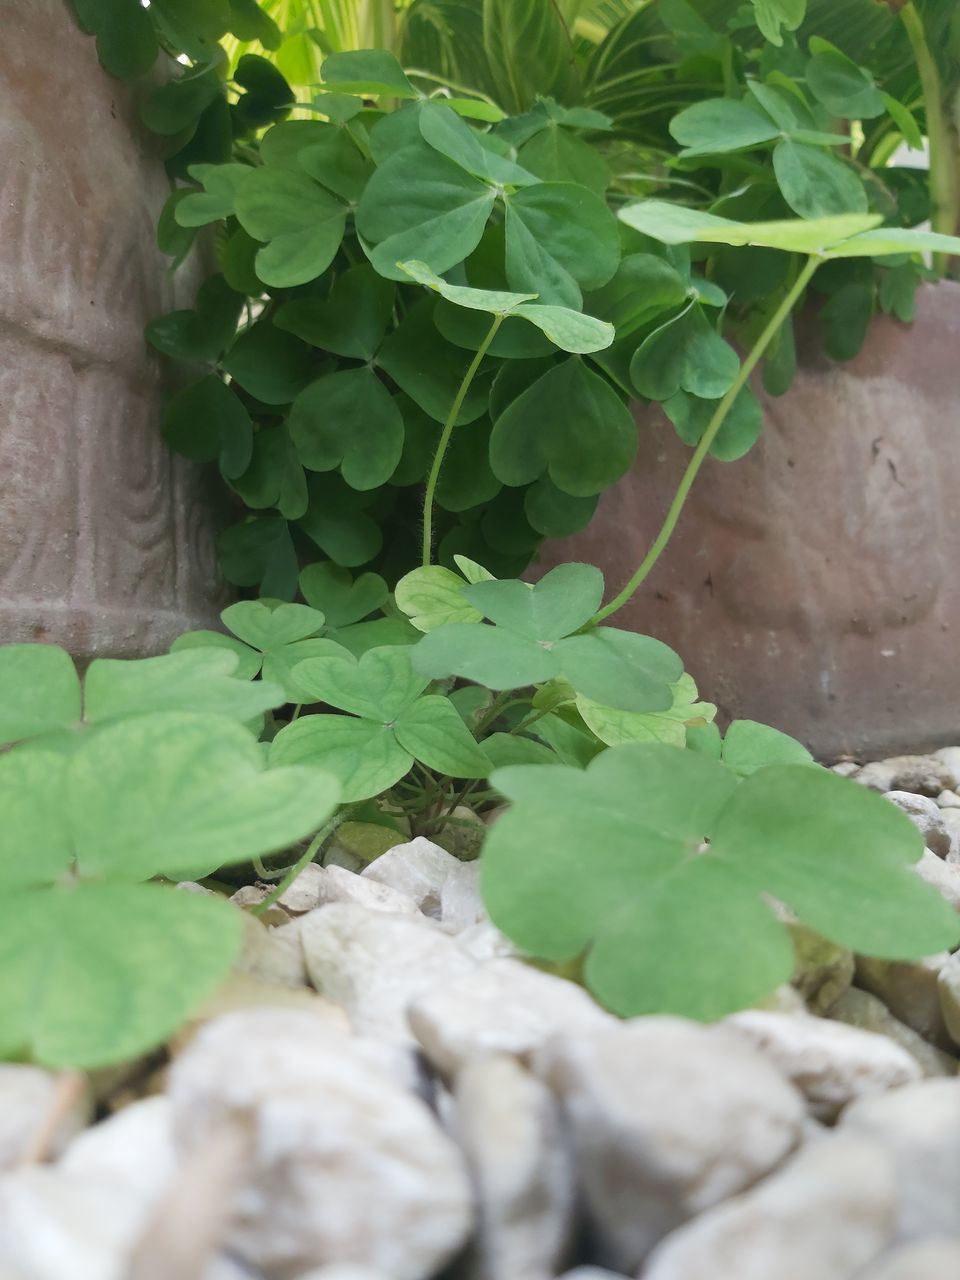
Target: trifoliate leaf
{"points": [[432, 596], [342, 598], [284, 635], [206, 422], [271, 365], [772, 15], [249, 661], [378, 686], [815, 183], [669, 726], [363, 755], [846, 90], [220, 183], [683, 860], [39, 691], [684, 354], [188, 680], [741, 428], [275, 476], [560, 239], [432, 730], [351, 322], [301, 222], [429, 369], [748, 746], [348, 420]]}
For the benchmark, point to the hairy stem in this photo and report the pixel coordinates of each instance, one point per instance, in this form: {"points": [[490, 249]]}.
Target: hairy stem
{"points": [[716, 422], [944, 160], [445, 435]]}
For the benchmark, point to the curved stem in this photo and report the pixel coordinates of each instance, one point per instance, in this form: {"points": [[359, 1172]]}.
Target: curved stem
{"points": [[713, 426], [944, 162], [445, 435], [305, 858]]}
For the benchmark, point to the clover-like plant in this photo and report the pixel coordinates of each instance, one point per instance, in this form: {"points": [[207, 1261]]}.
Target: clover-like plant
{"points": [[142, 773]]}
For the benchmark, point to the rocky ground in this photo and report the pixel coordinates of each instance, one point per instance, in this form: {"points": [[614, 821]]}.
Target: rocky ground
{"points": [[385, 1091]]}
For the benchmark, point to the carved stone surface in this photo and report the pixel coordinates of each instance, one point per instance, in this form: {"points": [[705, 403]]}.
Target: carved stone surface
{"points": [[815, 583], [106, 541]]}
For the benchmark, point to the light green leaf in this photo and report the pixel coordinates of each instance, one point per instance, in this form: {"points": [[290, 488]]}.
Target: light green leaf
{"points": [[39, 691], [668, 726], [378, 686], [560, 238], [815, 183], [563, 600], [432, 596], [433, 732], [302, 223], [220, 183], [348, 420], [201, 680], [545, 429], [35, 844], [888, 240], [505, 749], [674, 224], [619, 668], [491, 656], [719, 125], [343, 599], [96, 974], [249, 661], [438, 220], [363, 755], [366, 72], [748, 746]]}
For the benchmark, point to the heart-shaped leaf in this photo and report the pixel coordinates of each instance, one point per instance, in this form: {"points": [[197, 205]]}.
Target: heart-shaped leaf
{"points": [[749, 746], [220, 183], [432, 596], [260, 552], [206, 422], [271, 365], [846, 90], [342, 599], [429, 369], [301, 222], [570, 424], [35, 841], [560, 238], [433, 732], [351, 322], [684, 354], [363, 755], [249, 661], [275, 477], [741, 428], [684, 858], [668, 726], [194, 680], [378, 686], [202, 333], [350, 420], [39, 691], [718, 125], [282, 635]]}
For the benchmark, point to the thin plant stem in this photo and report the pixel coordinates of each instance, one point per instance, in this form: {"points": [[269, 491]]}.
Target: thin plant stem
{"points": [[944, 160], [445, 435], [304, 860], [716, 422]]}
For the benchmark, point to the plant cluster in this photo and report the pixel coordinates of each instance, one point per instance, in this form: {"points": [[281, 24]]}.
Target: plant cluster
{"points": [[414, 362]]}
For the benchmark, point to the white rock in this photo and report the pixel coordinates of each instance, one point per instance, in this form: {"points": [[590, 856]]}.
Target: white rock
{"points": [[591, 1273], [930, 1260], [418, 869], [506, 1007], [923, 775], [948, 985], [508, 1125], [461, 906], [948, 800], [340, 885], [845, 768], [133, 1148], [909, 990], [345, 1271], [273, 953], [924, 813], [943, 875], [860, 1009], [950, 756], [826, 1213], [28, 1097], [951, 820], [668, 1118], [920, 1127], [346, 1166], [375, 963], [822, 969], [304, 894], [831, 1064], [484, 941], [222, 1267]]}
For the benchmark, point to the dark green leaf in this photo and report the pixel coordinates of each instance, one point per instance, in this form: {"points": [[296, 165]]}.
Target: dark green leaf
{"points": [[348, 420], [559, 238], [274, 477], [343, 599], [684, 354], [351, 322], [367, 71], [273, 366], [178, 104], [260, 552], [428, 369], [816, 184], [302, 223], [207, 422], [845, 89], [740, 431]]}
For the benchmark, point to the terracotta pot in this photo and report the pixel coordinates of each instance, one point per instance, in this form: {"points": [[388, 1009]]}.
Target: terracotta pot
{"points": [[106, 543], [815, 584]]}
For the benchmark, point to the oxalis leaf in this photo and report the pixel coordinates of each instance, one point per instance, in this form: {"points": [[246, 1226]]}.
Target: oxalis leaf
{"points": [[670, 726], [674, 224], [567, 329], [683, 858], [394, 725], [532, 641], [348, 420], [432, 595], [684, 354]]}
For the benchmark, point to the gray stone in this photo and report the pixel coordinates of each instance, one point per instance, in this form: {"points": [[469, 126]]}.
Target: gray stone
{"points": [[417, 869], [924, 813], [375, 963], [923, 775], [461, 906], [504, 1006], [831, 1064], [948, 985], [822, 969], [930, 1260], [950, 756], [948, 800], [345, 1166], [28, 1099], [860, 1009], [273, 953], [340, 885], [944, 876], [345, 1271], [951, 820], [133, 1147], [668, 1119], [909, 990], [920, 1127], [826, 1213], [508, 1125], [304, 894]]}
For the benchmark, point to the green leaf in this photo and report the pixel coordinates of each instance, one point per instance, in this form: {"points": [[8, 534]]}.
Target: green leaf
{"points": [[191, 680], [363, 755], [337, 521], [39, 691], [569, 330], [249, 661], [96, 974], [202, 333], [429, 369], [669, 726], [846, 318], [181, 794], [684, 858], [885, 241], [561, 602], [351, 322], [684, 354], [274, 477], [172, 239], [260, 552], [554, 513], [674, 224], [643, 288], [378, 686], [556, 155], [905, 122], [267, 97], [544, 430], [177, 105], [433, 732], [505, 749], [432, 596], [248, 22], [528, 51], [35, 843], [273, 366], [439, 219], [749, 746], [302, 223], [284, 634], [559, 238], [348, 420], [739, 433], [718, 125], [845, 89], [620, 669], [206, 422], [367, 71], [772, 15], [342, 599], [126, 44], [814, 183], [220, 183]]}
